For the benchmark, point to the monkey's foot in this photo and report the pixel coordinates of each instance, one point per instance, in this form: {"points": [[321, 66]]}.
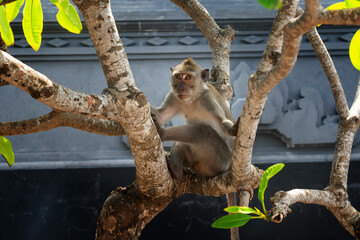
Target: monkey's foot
{"points": [[175, 171]]}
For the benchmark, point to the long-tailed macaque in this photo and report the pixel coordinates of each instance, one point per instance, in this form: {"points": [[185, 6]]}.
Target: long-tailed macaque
{"points": [[206, 142]]}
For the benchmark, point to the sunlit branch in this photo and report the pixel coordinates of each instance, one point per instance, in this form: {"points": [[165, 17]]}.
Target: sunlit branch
{"points": [[57, 119], [330, 72], [50, 93]]}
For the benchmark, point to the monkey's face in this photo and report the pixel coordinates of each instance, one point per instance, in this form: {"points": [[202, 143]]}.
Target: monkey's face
{"points": [[183, 85]]}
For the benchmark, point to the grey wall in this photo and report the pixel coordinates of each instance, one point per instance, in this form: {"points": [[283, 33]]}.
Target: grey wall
{"points": [[299, 121]]}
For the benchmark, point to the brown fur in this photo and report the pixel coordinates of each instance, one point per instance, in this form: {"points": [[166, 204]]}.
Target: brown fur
{"points": [[204, 143]]}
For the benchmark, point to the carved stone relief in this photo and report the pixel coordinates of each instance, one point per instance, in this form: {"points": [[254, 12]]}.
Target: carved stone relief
{"points": [[298, 121]]}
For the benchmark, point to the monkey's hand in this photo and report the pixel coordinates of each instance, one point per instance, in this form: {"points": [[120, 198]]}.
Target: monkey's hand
{"points": [[233, 130], [160, 130]]}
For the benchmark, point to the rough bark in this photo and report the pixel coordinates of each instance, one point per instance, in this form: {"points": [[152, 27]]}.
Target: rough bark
{"points": [[126, 212], [277, 66], [57, 119], [107, 43], [50, 93], [330, 72]]}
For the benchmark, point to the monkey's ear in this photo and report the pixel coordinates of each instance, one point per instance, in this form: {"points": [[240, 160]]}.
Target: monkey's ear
{"points": [[205, 75], [171, 69]]}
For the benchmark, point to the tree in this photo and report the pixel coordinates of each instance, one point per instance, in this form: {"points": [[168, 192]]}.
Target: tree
{"points": [[125, 110]]}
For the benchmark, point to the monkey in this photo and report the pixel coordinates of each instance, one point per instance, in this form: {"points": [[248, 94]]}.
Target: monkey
{"points": [[206, 141]]}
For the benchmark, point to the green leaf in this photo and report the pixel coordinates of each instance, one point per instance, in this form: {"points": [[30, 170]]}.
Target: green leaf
{"points": [[257, 210], [354, 50], [231, 221], [352, 3], [67, 16], [12, 9], [270, 4], [337, 6], [243, 210], [7, 151], [269, 173], [5, 29], [33, 23]]}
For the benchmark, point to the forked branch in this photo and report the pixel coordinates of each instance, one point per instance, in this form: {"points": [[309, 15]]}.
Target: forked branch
{"points": [[57, 119], [334, 196]]}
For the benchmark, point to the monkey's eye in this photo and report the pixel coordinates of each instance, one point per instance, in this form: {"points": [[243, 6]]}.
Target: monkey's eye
{"points": [[187, 77], [178, 77]]}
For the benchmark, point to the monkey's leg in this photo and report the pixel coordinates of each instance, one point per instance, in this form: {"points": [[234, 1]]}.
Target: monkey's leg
{"points": [[178, 159], [201, 147], [190, 133]]}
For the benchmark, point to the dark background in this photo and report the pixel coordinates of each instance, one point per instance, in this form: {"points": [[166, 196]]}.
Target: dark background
{"points": [[65, 204]]}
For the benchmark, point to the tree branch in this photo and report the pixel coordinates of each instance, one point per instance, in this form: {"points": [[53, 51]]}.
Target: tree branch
{"points": [[283, 200], [107, 43], [334, 197], [274, 44], [50, 93], [126, 212], [258, 90], [334, 201], [131, 109], [218, 185], [330, 72], [57, 119], [293, 32], [348, 217], [340, 17], [343, 146]]}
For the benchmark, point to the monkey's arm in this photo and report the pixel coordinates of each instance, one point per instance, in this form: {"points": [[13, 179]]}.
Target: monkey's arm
{"points": [[215, 104], [166, 111], [224, 118]]}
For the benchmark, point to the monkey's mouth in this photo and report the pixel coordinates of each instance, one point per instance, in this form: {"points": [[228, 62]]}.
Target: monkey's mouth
{"points": [[183, 97]]}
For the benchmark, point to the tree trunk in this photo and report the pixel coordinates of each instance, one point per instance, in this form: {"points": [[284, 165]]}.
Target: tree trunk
{"points": [[126, 212]]}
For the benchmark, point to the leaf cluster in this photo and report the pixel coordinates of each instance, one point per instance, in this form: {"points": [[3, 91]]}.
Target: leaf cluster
{"points": [[241, 215], [32, 21]]}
